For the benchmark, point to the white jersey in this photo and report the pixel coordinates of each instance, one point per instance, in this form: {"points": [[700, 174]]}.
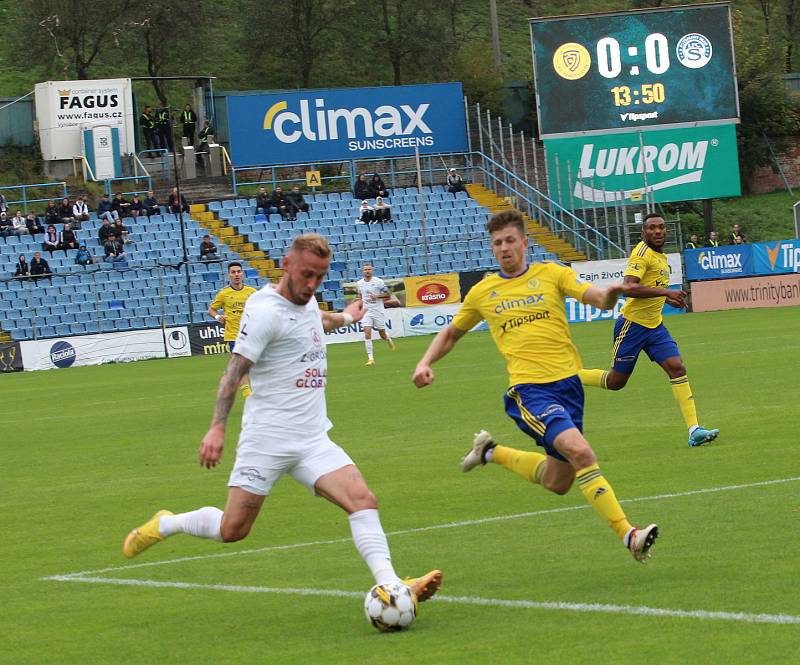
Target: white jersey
{"points": [[286, 343], [371, 292]]}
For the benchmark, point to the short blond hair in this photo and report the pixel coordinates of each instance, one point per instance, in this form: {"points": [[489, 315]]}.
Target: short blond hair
{"points": [[314, 243]]}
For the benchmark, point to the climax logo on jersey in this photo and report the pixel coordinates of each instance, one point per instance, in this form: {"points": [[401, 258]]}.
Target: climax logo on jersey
{"points": [[62, 354], [433, 294], [518, 302]]}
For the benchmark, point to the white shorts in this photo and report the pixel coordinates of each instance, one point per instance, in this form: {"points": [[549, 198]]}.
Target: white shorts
{"points": [[375, 320], [262, 458]]}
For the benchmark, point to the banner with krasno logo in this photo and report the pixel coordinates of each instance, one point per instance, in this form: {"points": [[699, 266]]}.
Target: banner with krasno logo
{"points": [[661, 164], [603, 273], [312, 126], [432, 290], [60, 353], [719, 262], [65, 108]]}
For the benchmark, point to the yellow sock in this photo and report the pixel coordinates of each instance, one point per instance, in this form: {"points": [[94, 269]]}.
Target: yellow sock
{"points": [[528, 465], [246, 390], [601, 497], [593, 377], [682, 393]]}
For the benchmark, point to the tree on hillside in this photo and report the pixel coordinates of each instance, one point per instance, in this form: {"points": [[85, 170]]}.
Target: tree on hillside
{"points": [[791, 12], [291, 36], [66, 36], [158, 31]]}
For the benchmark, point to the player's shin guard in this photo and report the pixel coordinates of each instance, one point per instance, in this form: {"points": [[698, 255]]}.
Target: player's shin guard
{"points": [[593, 377], [601, 497], [527, 465], [370, 541], [682, 393], [203, 523]]}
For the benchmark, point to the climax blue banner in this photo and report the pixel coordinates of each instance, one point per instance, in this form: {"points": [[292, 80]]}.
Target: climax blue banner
{"points": [[311, 126], [780, 256], [718, 262]]}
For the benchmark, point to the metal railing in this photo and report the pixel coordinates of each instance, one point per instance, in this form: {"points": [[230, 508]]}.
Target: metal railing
{"points": [[26, 198]]}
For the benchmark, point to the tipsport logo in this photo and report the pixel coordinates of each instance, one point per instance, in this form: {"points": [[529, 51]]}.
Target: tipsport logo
{"points": [[391, 126]]}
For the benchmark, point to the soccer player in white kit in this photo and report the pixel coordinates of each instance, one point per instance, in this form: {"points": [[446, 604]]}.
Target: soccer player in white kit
{"points": [[373, 292], [281, 343]]}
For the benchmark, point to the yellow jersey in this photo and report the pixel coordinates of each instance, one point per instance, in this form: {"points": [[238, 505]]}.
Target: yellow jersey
{"points": [[652, 269], [231, 301], [528, 321]]}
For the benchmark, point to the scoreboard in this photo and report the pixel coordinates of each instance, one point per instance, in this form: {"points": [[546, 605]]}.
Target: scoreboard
{"points": [[624, 71]]}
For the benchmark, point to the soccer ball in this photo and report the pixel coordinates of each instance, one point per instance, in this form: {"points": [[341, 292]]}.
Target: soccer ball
{"points": [[390, 607]]}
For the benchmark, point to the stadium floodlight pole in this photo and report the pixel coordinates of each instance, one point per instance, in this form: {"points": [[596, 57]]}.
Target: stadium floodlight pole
{"points": [[182, 224], [421, 200]]}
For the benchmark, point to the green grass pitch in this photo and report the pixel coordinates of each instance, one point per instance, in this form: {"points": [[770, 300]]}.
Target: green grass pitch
{"points": [[88, 453]]}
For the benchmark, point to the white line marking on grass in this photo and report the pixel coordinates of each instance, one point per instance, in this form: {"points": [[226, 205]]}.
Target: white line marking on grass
{"points": [[448, 525], [744, 617]]}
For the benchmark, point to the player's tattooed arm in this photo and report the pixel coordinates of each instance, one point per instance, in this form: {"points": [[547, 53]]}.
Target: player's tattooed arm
{"points": [[238, 366]]}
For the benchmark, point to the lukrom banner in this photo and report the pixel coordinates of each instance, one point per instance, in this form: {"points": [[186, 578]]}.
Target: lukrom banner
{"points": [[661, 164]]}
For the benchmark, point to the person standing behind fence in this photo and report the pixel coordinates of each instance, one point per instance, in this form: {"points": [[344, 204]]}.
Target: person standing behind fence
{"points": [[164, 129], [148, 128], [203, 137], [189, 122]]}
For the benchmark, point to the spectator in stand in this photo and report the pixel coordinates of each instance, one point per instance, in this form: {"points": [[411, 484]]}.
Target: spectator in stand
{"points": [[263, 204], [106, 230], [151, 206], [295, 202], [40, 268], [365, 213], [80, 212], [148, 126], [51, 215], [3, 203], [19, 225], [120, 205], [278, 201], [376, 187], [65, 211], [737, 235], [50, 243], [6, 227], [67, 239], [114, 250], [105, 209], [83, 257], [189, 122], [175, 205], [136, 206], [23, 270], [361, 189], [693, 243], [208, 250], [121, 231], [455, 183], [382, 211], [712, 240], [34, 224]]}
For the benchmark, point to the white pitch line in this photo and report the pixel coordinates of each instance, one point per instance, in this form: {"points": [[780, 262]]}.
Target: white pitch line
{"points": [[742, 617], [447, 525]]}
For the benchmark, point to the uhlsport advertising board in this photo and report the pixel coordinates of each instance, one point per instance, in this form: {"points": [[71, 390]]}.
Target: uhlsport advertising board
{"points": [[661, 164], [312, 126], [65, 108]]}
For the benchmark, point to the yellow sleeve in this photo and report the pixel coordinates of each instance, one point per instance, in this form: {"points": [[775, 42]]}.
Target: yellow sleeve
{"points": [[218, 302], [637, 267], [469, 315], [569, 284]]}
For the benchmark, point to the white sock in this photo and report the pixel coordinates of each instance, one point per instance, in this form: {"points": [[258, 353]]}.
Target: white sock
{"points": [[203, 523], [692, 429], [489, 455], [368, 344], [370, 541]]}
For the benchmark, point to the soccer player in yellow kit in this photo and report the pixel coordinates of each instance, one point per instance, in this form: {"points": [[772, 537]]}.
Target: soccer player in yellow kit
{"points": [[640, 328], [523, 306], [231, 300]]}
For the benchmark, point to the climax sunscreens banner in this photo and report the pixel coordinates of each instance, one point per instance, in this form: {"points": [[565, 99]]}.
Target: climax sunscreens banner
{"points": [[673, 164]]}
